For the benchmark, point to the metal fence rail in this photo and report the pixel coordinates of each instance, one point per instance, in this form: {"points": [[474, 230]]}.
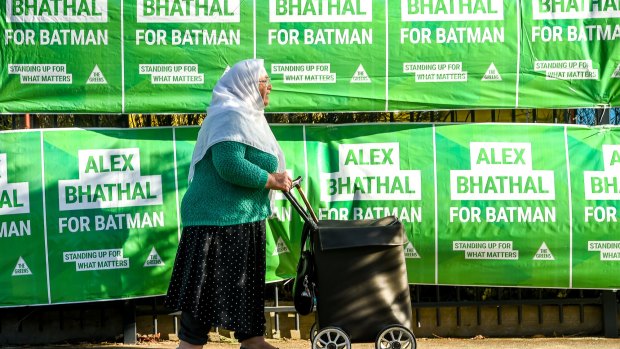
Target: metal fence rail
{"points": [[447, 311], [584, 116]]}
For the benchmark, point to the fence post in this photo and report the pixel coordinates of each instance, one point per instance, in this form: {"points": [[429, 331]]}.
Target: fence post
{"points": [[610, 312], [129, 322]]}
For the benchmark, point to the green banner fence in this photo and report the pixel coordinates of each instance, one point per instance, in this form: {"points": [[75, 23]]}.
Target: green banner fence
{"points": [[165, 56], [482, 204]]}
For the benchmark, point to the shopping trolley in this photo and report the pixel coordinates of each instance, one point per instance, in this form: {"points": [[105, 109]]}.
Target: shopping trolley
{"points": [[362, 293]]}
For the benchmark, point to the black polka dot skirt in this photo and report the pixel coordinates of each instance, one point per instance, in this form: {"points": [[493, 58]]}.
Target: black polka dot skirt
{"points": [[219, 276]]}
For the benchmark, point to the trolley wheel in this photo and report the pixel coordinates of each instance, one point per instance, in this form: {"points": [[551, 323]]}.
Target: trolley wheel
{"points": [[331, 338], [313, 332], [396, 337]]}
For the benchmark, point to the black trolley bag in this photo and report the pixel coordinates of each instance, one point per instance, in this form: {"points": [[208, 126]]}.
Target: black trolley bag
{"points": [[360, 278]]}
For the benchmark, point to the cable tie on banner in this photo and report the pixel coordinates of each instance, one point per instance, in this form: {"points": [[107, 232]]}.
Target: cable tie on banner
{"points": [[605, 107]]}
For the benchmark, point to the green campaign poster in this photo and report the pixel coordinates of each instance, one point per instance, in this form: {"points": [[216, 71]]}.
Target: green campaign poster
{"points": [[63, 56], [111, 203], [446, 54], [175, 51], [326, 54], [23, 271], [568, 43], [165, 56], [482, 204], [503, 208], [373, 171], [594, 156]]}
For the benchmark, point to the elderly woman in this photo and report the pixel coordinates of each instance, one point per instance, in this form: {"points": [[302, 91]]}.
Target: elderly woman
{"points": [[219, 273]]}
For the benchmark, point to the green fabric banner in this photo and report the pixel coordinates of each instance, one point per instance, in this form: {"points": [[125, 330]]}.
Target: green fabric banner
{"points": [[512, 205], [165, 56]]}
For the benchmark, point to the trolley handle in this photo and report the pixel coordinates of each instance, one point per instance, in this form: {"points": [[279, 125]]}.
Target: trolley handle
{"points": [[297, 181], [310, 217], [297, 184]]}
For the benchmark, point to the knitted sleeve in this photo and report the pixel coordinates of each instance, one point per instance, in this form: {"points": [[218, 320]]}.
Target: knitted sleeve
{"points": [[230, 163]]}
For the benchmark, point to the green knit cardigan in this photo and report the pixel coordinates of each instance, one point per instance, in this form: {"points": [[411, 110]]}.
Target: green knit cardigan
{"points": [[228, 187]]}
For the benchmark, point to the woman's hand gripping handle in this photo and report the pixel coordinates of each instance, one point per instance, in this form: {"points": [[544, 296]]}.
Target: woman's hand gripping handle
{"points": [[279, 181]]}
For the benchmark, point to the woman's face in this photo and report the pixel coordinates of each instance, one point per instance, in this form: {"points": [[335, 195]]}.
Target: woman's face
{"points": [[264, 87]]}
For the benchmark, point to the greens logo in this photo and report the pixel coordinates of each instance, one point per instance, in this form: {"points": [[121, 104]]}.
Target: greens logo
{"points": [[13, 196], [109, 178], [57, 11], [370, 172], [501, 171]]}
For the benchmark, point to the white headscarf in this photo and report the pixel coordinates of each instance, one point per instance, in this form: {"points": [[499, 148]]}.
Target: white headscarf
{"points": [[236, 113]]}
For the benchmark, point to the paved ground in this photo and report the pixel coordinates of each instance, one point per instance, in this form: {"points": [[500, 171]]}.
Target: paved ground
{"points": [[422, 343]]}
